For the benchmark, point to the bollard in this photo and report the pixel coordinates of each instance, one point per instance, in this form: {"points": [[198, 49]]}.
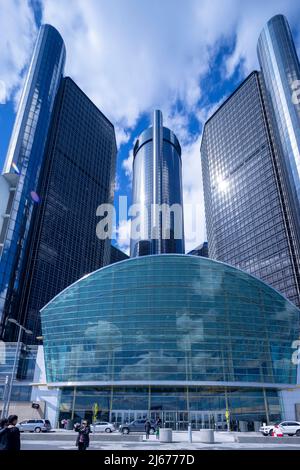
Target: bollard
{"points": [[165, 435], [207, 435], [190, 437]]}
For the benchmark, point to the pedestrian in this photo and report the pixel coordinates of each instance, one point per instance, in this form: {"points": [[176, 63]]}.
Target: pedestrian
{"points": [[3, 434], [157, 426], [13, 436], [83, 438], [64, 423], [147, 428]]}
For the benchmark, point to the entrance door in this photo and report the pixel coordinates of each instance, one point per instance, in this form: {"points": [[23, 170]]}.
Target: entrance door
{"points": [[116, 417], [208, 419], [176, 420], [182, 420], [169, 419], [121, 417], [141, 414]]}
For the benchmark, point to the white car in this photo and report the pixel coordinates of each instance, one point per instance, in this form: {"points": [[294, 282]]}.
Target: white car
{"points": [[103, 426], [34, 425], [289, 428]]}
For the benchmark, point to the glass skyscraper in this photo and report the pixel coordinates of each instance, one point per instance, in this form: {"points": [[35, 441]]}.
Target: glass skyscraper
{"points": [[19, 181], [247, 212], [281, 73], [157, 191], [77, 177], [116, 255], [201, 250]]}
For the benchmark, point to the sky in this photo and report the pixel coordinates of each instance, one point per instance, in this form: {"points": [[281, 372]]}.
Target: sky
{"points": [[133, 56]]}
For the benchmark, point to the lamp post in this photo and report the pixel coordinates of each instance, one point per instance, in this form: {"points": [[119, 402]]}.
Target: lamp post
{"points": [[6, 405]]}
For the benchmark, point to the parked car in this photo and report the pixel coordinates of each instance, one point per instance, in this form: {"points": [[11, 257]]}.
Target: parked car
{"points": [[266, 429], [138, 425], [290, 428], [34, 425], [103, 426]]}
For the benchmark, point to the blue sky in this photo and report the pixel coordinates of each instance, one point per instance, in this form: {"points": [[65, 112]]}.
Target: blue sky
{"points": [[131, 56]]}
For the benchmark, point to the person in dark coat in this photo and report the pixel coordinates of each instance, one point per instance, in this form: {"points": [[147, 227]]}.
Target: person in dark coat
{"points": [[13, 436], [147, 428], [83, 438], [158, 425], [3, 434]]}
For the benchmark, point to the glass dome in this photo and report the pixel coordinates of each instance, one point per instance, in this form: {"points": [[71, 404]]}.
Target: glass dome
{"points": [[169, 319]]}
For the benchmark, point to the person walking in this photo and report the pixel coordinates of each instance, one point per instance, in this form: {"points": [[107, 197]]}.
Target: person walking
{"points": [[3, 434], [147, 428], [13, 436], [157, 426], [64, 423], [83, 438]]}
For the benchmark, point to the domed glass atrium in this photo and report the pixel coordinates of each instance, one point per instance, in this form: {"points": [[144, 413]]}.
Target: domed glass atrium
{"points": [[181, 337]]}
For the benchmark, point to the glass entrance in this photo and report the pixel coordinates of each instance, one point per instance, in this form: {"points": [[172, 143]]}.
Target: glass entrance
{"points": [[176, 420]]}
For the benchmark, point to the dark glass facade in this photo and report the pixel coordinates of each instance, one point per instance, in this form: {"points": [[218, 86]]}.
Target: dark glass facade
{"points": [[172, 333], [157, 182], [78, 176], [281, 73], [24, 161], [247, 213], [201, 250], [117, 255]]}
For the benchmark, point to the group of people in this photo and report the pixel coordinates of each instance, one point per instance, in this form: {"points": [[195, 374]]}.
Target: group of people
{"points": [[9, 434], [84, 430], [149, 426]]}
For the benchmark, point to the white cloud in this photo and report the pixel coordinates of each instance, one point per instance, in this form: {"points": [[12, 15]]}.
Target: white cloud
{"points": [[123, 235], [127, 166], [17, 35], [194, 219], [131, 56], [122, 136], [252, 17], [178, 122]]}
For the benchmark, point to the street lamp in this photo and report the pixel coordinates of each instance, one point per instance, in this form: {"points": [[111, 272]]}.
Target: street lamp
{"points": [[5, 408]]}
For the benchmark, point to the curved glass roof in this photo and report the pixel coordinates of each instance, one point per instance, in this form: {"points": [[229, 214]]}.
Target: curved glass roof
{"points": [[170, 319]]}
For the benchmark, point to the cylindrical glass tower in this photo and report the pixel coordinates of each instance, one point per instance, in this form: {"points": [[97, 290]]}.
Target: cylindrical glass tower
{"points": [[157, 224], [281, 72], [24, 160]]}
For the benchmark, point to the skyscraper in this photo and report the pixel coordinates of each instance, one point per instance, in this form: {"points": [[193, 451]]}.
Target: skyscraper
{"points": [[78, 176], [117, 255], [200, 250], [19, 181], [157, 192], [247, 212], [281, 73]]}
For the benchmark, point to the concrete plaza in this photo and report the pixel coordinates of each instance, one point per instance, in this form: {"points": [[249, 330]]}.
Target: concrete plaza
{"points": [[223, 441]]}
